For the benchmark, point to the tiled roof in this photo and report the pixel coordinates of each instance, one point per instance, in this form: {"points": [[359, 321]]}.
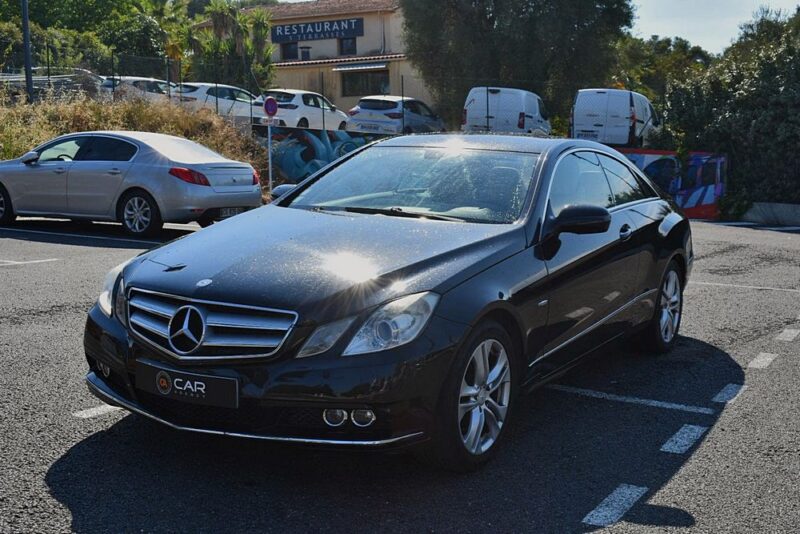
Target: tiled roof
{"points": [[310, 62], [317, 8]]}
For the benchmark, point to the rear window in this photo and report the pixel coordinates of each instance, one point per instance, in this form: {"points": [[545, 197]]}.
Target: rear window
{"points": [[185, 151], [368, 103], [280, 96]]}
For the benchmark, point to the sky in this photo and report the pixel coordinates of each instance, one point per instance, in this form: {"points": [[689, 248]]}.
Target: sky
{"points": [[712, 24]]}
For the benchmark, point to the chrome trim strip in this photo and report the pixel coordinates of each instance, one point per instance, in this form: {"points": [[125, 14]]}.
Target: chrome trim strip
{"points": [[99, 389], [209, 359], [594, 326]]}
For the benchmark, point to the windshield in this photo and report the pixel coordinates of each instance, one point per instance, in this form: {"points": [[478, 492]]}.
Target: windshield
{"points": [[485, 186]]}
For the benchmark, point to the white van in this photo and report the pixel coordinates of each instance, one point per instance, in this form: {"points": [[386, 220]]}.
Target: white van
{"points": [[501, 109], [613, 117]]}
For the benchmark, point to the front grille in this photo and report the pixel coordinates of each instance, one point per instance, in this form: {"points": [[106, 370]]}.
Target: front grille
{"points": [[231, 331]]}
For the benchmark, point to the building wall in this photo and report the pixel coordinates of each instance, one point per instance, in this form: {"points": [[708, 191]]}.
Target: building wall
{"points": [[322, 79], [371, 43]]}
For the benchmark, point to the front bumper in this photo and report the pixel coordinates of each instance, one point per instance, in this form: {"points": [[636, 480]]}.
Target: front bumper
{"points": [[105, 393], [282, 399]]}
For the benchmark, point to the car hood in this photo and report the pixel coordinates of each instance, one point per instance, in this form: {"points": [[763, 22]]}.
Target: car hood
{"points": [[322, 265]]}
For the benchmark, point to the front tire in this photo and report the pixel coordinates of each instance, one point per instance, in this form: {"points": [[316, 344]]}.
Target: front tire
{"points": [[139, 214], [475, 405], [661, 332], [302, 123], [7, 215], [343, 126]]}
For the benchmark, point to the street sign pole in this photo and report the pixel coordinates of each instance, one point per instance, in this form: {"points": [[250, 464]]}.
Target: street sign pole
{"points": [[26, 39], [271, 109], [269, 148]]}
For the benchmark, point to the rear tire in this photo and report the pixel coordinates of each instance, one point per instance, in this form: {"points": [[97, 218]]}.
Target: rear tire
{"points": [[661, 332], [205, 221], [476, 401], [7, 215], [302, 123], [343, 126], [139, 215]]}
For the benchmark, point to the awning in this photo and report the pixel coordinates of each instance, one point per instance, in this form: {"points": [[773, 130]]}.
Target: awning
{"points": [[359, 67]]}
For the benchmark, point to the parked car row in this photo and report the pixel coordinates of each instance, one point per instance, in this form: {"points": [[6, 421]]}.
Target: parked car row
{"points": [[139, 179]]}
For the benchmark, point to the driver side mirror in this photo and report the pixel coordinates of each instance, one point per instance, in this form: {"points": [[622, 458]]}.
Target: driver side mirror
{"points": [[333, 108], [582, 219], [30, 158], [281, 190]]}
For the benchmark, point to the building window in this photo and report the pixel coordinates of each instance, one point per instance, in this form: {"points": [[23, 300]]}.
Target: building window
{"points": [[374, 82], [305, 53], [288, 51], [347, 46]]}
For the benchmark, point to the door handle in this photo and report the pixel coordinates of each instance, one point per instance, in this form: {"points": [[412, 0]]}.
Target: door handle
{"points": [[59, 170], [114, 171], [625, 232]]}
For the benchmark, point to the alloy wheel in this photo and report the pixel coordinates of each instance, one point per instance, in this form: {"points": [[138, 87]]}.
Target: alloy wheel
{"points": [[484, 397], [670, 307], [2, 205], [137, 214]]}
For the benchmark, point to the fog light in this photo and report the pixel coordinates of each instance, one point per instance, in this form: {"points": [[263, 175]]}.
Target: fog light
{"points": [[105, 369], [334, 417], [362, 418]]}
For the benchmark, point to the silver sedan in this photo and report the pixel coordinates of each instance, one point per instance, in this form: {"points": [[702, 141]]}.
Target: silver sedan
{"points": [[137, 178]]}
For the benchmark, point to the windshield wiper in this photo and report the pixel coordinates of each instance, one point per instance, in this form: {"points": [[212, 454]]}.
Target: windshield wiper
{"points": [[398, 212]]}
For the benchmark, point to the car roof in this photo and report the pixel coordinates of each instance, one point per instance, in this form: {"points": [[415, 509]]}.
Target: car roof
{"points": [[501, 142], [291, 91], [149, 138], [388, 98], [204, 84]]}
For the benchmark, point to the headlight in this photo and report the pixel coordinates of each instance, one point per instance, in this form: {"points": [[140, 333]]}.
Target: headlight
{"points": [[393, 324], [324, 337], [106, 299]]}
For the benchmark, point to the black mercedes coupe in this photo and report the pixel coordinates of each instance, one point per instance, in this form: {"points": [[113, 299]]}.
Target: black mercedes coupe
{"points": [[402, 296]]}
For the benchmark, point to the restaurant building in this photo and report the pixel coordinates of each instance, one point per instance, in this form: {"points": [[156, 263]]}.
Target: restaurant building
{"points": [[344, 49]]}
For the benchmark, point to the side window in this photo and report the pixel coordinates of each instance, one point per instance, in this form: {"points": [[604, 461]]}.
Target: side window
{"points": [[108, 149], [326, 105], [579, 180], [623, 182], [425, 110], [62, 150], [310, 100], [542, 110], [654, 117], [413, 107]]}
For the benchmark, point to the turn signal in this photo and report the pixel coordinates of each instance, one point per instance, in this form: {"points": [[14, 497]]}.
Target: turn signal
{"points": [[189, 176], [256, 177]]}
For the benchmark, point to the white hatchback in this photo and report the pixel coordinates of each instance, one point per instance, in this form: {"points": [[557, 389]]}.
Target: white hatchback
{"points": [[227, 100], [304, 109]]}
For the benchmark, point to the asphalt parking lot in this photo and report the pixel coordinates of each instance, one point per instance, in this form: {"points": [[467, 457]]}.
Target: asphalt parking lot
{"points": [[707, 437]]}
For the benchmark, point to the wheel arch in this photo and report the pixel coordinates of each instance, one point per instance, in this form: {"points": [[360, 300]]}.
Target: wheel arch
{"points": [[124, 192]]}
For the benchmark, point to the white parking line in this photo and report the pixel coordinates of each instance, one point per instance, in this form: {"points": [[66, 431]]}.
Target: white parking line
{"points": [[762, 361], [84, 236], [740, 286], [615, 505], [96, 411], [788, 334], [8, 263], [729, 393], [684, 439], [632, 400]]}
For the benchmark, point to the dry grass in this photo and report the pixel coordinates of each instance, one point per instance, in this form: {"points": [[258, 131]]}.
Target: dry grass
{"points": [[23, 126]]}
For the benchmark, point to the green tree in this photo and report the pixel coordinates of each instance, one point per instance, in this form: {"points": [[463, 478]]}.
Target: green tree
{"points": [[234, 49], [550, 47], [747, 105]]}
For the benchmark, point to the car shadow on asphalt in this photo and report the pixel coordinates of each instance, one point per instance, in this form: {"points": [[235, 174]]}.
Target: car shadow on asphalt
{"points": [[565, 454], [85, 233]]}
